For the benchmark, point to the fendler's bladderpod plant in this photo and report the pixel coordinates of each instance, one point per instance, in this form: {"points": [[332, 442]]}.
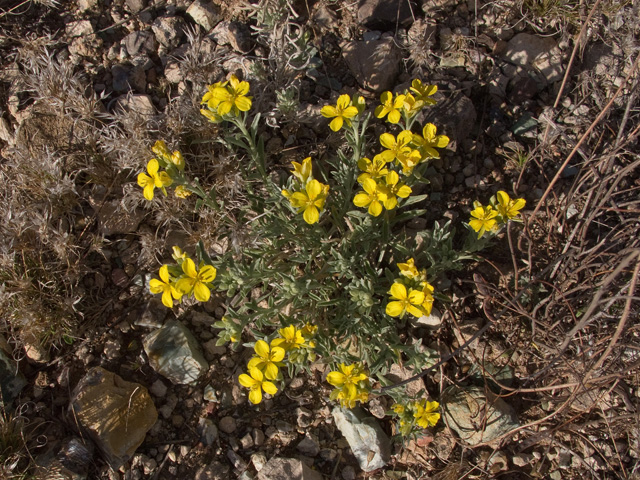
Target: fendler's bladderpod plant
{"points": [[326, 275]]}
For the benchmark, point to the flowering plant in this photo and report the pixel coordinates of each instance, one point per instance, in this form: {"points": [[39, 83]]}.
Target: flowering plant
{"points": [[329, 276]]}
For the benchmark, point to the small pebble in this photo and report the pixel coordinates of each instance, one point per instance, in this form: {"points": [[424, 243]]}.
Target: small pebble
{"points": [[227, 424], [348, 473], [246, 441], [158, 389]]}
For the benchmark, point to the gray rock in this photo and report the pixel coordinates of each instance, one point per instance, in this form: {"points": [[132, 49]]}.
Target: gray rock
{"points": [[139, 103], [116, 414], [476, 415], [385, 14], [227, 424], [348, 473], [169, 31], [539, 53], [135, 6], [204, 13], [309, 446], [232, 33], [369, 444], [83, 41], [11, 380], [434, 320], [287, 468], [174, 352], [140, 42], [158, 389], [375, 64]]}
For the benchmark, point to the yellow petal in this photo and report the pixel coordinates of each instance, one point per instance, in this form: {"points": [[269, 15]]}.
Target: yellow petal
{"points": [[207, 273], [314, 189], [262, 349], [361, 200], [394, 116], [148, 191], [277, 354], [343, 102], [153, 166], [336, 124], [270, 388], [336, 379], [246, 381], [255, 396], [164, 273], [144, 180], [329, 111], [189, 268], [311, 215], [394, 309], [271, 372], [387, 141], [429, 131], [167, 298], [398, 291], [156, 286], [201, 292], [243, 104], [375, 208]]}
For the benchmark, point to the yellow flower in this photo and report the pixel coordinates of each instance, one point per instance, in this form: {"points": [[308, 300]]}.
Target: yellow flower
{"points": [[398, 408], [310, 202], [232, 97], [164, 286], [343, 112], [372, 197], [410, 301], [483, 219], [375, 168], [396, 148], [427, 304], [196, 282], [423, 92], [426, 413], [429, 140], [408, 269], [351, 383], [212, 116], [302, 171], [269, 359], [411, 105], [358, 102], [292, 338], [256, 383], [178, 160], [182, 192], [178, 255], [160, 149], [153, 180], [509, 208], [393, 189], [209, 98], [390, 106]]}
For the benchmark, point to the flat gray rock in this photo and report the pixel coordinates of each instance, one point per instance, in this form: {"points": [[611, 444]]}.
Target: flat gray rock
{"points": [[174, 352], [476, 415], [368, 442], [539, 53]]}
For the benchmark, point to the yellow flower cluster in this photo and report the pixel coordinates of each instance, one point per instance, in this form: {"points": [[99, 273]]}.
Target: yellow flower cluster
{"points": [[410, 103], [411, 293], [352, 384], [422, 413], [344, 111], [226, 98], [309, 195], [183, 279], [264, 367], [174, 165], [500, 210]]}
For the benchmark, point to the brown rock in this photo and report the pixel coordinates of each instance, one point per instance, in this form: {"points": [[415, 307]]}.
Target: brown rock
{"points": [[374, 63], [116, 414]]}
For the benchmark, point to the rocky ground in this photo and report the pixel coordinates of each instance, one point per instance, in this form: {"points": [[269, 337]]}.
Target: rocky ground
{"points": [[103, 382]]}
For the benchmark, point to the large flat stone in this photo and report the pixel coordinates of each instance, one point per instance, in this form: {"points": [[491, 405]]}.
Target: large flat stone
{"points": [[116, 414]]}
